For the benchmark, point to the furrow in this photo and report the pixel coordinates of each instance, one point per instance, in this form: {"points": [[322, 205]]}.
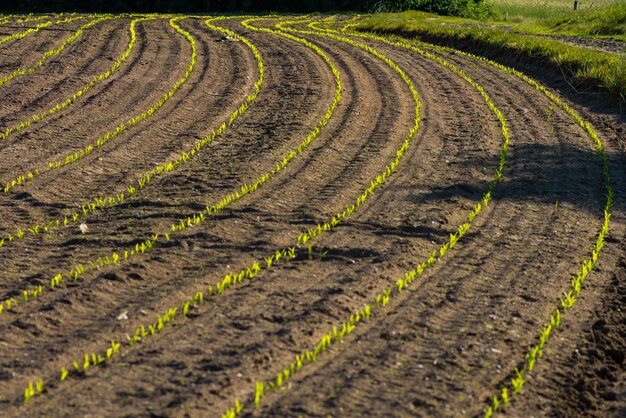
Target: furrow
{"points": [[324, 121], [63, 105], [68, 160]]}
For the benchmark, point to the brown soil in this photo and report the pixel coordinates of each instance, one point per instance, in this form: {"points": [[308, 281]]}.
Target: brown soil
{"points": [[442, 348]]}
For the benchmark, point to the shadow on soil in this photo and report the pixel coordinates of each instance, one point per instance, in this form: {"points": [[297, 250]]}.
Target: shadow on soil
{"points": [[544, 174]]}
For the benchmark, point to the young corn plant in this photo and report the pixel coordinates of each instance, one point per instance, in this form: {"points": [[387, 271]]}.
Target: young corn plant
{"points": [[34, 18], [165, 168], [570, 297], [50, 54], [100, 142]]}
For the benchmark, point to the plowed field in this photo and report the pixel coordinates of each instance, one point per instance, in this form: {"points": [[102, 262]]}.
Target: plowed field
{"points": [[278, 217]]}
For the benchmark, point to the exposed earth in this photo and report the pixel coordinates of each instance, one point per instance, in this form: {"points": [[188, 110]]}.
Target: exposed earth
{"points": [[442, 346]]}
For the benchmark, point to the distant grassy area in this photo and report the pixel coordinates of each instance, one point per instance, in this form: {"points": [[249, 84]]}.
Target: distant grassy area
{"points": [[546, 9], [589, 68]]}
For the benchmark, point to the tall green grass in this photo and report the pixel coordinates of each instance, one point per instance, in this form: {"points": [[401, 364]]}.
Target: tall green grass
{"points": [[587, 68], [546, 9], [609, 21]]}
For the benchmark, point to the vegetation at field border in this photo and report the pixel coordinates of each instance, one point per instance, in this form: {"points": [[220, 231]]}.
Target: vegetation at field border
{"points": [[100, 142], [21, 35], [592, 22], [518, 12], [506, 393]]}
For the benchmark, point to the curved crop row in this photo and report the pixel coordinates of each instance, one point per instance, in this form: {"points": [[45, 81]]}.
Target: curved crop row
{"points": [[117, 258], [37, 229], [37, 28], [308, 236], [101, 203], [100, 142], [7, 19], [34, 18], [69, 101], [143, 332], [51, 53], [506, 392], [36, 292], [381, 299]]}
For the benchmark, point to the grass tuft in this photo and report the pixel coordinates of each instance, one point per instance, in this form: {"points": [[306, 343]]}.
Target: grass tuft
{"points": [[584, 67]]}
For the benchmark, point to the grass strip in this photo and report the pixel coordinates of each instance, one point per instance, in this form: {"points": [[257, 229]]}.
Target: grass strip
{"points": [[600, 18], [600, 70]]}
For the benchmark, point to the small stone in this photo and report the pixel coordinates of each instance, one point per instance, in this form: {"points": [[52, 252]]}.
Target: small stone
{"points": [[123, 316], [83, 228]]}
